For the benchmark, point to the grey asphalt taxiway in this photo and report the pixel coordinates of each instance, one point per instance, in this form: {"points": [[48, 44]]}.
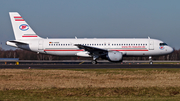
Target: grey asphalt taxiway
{"points": [[89, 66]]}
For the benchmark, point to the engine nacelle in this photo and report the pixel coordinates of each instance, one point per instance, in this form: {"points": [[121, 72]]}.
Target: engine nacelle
{"points": [[114, 56]]}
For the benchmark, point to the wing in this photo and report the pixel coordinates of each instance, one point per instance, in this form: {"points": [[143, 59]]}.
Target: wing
{"points": [[92, 50]]}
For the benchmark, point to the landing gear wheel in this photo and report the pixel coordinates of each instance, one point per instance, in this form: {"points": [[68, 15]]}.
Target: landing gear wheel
{"points": [[150, 62], [94, 62]]}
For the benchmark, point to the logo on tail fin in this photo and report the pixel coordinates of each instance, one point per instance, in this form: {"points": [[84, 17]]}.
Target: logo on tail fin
{"points": [[23, 27]]}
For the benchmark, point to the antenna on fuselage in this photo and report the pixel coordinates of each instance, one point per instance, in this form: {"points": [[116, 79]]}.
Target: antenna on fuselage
{"points": [[149, 37], [75, 37]]}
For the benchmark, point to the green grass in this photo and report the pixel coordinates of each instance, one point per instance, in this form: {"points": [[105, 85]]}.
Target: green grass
{"points": [[28, 85], [134, 70], [89, 94]]}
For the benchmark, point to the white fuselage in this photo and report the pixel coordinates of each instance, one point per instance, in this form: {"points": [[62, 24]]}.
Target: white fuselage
{"points": [[66, 47], [112, 49]]}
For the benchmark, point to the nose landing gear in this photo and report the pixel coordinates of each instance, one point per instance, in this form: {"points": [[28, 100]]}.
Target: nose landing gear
{"points": [[150, 60]]}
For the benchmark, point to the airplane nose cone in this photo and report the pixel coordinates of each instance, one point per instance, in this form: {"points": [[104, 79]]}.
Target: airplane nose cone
{"points": [[171, 49]]}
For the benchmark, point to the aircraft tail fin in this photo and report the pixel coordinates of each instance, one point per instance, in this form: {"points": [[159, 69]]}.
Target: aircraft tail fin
{"points": [[21, 29]]}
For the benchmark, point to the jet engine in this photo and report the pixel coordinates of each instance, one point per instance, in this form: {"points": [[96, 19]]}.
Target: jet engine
{"points": [[114, 56]]}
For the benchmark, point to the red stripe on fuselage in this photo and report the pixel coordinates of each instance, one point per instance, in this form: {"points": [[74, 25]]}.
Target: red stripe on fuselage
{"points": [[30, 36], [129, 50], [63, 50], [83, 50]]}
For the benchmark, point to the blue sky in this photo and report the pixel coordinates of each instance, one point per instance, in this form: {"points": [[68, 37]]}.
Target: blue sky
{"points": [[159, 19]]}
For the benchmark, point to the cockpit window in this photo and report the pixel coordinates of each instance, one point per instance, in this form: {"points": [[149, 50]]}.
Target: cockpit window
{"points": [[163, 44]]}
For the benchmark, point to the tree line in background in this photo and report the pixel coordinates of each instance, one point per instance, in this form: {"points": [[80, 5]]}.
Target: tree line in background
{"points": [[28, 55]]}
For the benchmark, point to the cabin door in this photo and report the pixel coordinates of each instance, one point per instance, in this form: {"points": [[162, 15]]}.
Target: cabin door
{"points": [[151, 45], [40, 45]]}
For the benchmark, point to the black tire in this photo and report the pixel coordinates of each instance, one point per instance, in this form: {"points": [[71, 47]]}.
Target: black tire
{"points": [[150, 62], [94, 62]]}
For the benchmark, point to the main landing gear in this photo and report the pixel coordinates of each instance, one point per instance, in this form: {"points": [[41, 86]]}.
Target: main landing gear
{"points": [[94, 59], [94, 62], [150, 60]]}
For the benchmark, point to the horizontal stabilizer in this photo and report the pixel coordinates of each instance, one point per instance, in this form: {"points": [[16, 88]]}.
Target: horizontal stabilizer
{"points": [[19, 42]]}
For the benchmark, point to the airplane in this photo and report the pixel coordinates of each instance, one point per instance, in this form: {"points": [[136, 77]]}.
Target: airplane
{"points": [[112, 49]]}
